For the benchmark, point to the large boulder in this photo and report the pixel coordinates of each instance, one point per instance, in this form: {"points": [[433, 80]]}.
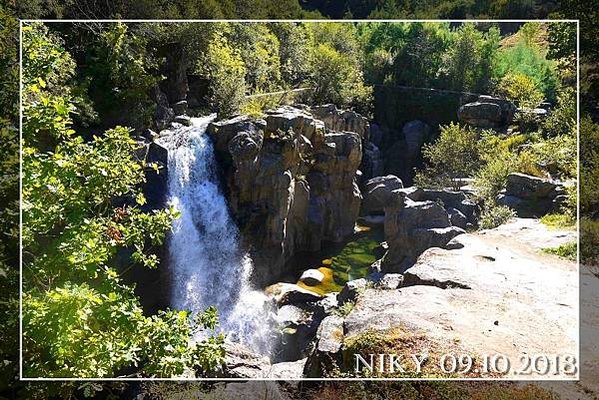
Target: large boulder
{"points": [[378, 192], [531, 196], [480, 114], [287, 370], [487, 112], [289, 293], [351, 290], [529, 187], [450, 199], [342, 120], [240, 362], [311, 277], [327, 356], [411, 227]]}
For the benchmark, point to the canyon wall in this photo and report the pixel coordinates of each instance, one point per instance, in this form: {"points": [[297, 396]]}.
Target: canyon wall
{"points": [[291, 180]]}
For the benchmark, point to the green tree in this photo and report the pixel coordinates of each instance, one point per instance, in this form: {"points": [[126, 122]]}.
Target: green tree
{"points": [[79, 318], [523, 59], [122, 74], [258, 48], [223, 66], [470, 57], [295, 59]]}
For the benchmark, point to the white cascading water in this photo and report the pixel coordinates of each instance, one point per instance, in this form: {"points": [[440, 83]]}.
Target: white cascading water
{"points": [[208, 265]]}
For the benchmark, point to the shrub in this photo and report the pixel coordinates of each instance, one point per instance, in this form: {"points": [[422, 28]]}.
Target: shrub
{"points": [[562, 119], [589, 167], [258, 48], [521, 89], [492, 177], [453, 155], [557, 155], [492, 217]]}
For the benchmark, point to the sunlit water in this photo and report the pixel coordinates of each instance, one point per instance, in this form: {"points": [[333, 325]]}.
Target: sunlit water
{"points": [[207, 262]]}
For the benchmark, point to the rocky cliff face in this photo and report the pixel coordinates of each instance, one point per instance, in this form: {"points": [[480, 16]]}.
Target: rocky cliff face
{"points": [[291, 180]]}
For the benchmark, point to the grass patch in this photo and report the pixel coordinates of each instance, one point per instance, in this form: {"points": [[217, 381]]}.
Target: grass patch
{"points": [[558, 221], [567, 250], [403, 343]]}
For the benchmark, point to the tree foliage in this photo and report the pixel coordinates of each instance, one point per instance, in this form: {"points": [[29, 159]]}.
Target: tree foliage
{"points": [[79, 318]]}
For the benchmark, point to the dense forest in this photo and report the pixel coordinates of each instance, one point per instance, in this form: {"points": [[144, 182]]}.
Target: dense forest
{"points": [[78, 79]]}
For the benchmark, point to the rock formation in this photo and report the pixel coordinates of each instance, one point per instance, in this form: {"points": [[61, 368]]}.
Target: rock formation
{"points": [[416, 219], [487, 112], [532, 196], [291, 180]]}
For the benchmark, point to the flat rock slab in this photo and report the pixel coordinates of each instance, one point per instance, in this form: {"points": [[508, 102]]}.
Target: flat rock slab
{"points": [[498, 293]]}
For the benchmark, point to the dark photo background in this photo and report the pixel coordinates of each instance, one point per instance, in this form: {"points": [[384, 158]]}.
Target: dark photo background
{"points": [[11, 11]]}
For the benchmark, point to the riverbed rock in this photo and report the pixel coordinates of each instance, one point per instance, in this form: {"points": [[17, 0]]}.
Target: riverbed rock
{"points": [[183, 120], [311, 277], [351, 290], [290, 293], [327, 354], [240, 362], [287, 370], [298, 324], [180, 107], [390, 281]]}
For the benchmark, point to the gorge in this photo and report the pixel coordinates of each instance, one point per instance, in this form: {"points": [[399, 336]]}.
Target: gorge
{"points": [[283, 233]]}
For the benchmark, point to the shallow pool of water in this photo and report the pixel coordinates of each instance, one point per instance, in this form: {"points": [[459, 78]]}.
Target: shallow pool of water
{"points": [[342, 262]]}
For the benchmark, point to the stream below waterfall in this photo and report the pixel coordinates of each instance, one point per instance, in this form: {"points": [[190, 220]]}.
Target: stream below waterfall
{"points": [[207, 264]]}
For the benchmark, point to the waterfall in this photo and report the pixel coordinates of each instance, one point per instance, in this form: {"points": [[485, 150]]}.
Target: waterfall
{"points": [[207, 263]]}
